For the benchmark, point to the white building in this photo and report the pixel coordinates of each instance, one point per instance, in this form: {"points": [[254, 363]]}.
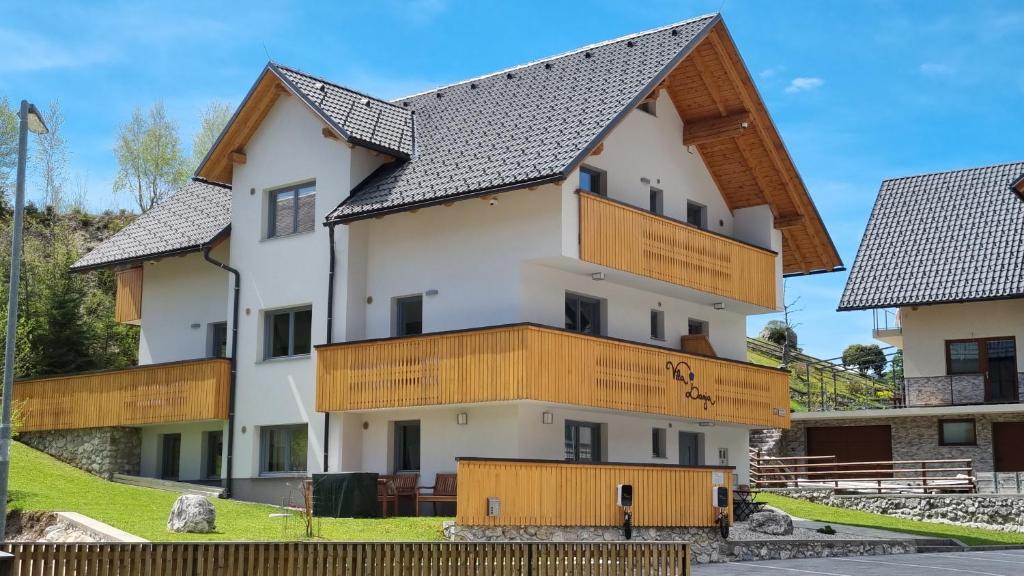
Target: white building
{"points": [[536, 264]]}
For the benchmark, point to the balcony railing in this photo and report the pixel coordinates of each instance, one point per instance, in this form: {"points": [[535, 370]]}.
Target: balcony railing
{"points": [[157, 393], [530, 362], [619, 236], [551, 493]]}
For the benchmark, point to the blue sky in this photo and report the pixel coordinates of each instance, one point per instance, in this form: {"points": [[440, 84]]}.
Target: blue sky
{"points": [[860, 91]]}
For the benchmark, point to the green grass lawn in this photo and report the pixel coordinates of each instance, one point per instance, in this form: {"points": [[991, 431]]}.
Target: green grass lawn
{"points": [[811, 511], [38, 482]]}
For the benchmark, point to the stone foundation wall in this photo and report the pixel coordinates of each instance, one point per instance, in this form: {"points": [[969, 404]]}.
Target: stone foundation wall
{"points": [[101, 451], [913, 437], [706, 544], [994, 512], [785, 549]]}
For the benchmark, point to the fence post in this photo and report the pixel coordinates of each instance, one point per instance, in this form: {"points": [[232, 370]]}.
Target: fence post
{"points": [[924, 476]]}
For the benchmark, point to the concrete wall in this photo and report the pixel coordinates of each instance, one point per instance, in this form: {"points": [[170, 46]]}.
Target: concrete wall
{"points": [[926, 329]]}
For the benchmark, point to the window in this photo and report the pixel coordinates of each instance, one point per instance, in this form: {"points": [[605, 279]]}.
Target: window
{"points": [[697, 214], [659, 448], [407, 446], [582, 314], [217, 340], [995, 358], [650, 106], [408, 315], [288, 332], [657, 325], [214, 453], [592, 180], [957, 433], [291, 210], [582, 441], [964, 357], [657, 201], [283, 449], [695, 327]]}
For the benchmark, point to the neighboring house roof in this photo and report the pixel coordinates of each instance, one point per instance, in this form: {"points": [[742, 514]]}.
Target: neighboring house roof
{"points": [[528, 124], [194, 216], [940, 238]]}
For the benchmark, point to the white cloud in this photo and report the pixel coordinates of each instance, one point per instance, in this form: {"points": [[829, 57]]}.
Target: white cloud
{"points": [[935, 69], [803, 84], [771, 72], [24, 52]]}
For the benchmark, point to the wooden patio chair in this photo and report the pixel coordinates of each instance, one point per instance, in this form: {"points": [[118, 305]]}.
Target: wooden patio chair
{"points": [[405, 487], [386, 494], [443, 490]]}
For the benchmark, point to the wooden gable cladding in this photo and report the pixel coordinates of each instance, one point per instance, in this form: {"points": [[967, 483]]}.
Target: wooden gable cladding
{"points": [[230, 148], [128, 303], [726, 121]]}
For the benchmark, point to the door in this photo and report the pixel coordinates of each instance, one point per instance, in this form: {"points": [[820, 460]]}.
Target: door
{"points": [[1007, 438], [214, 453], [582, 441], [690, 448], [407, 446], [1001, 372], [170, 456], [853, 444]]}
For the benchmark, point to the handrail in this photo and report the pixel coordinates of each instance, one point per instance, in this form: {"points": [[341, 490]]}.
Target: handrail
{"points": [[955, 474]]}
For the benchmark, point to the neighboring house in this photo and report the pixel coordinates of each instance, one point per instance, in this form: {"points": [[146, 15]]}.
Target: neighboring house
{"points": [[947, 251], [553, 262]]}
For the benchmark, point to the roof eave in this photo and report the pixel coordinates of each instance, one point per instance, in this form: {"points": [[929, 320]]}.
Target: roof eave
{"points": [[854, 308]]}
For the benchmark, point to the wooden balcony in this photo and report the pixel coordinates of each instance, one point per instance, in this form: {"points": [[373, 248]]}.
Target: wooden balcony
{"points": [[619, 236], [530, 362], [550, 493], [193, 390]]}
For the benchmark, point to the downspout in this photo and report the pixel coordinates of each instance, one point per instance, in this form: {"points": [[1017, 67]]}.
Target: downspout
{"points": [[226, 493], [330, 333]]}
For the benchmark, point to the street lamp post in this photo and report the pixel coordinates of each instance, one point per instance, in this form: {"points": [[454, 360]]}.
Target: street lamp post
{"points": [[28, 119]]}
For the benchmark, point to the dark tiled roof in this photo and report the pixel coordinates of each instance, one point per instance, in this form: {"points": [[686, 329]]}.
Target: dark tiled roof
{"points": [[946, 237], [362, 119], [523, 125], [195, 215]]}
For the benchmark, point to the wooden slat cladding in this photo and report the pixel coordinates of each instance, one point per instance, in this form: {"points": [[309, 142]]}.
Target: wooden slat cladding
{"points": [[569, 494], [128, 303], [350, 558], [697, 344], [636, 241], [157, 393], [530, 362]]}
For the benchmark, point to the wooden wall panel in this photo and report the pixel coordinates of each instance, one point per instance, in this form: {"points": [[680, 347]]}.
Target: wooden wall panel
{"points": [[529, 362], [128, 303], [157, 393], [570, 494]]}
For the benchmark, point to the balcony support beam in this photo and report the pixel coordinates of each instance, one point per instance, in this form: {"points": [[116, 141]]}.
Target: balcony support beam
{"points": [[700, 132]]}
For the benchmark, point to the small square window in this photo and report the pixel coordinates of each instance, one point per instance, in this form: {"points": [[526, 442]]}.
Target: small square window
{"points": [[593, 180], [650, 106], [659, 447], [582, 314], [957, 433], [657, 324], [288, 332], [696, 327], [283, 449], [657, 201], [409, 315], [697, 214], [291, 210]]}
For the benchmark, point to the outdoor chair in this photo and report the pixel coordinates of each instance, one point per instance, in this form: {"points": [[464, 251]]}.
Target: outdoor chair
{"points": [[443, 490], [386, 494], [405, 487]]}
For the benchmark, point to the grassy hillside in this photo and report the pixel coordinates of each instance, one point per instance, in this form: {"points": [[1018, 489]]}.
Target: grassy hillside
{"points": [[826, 382], [38, 482]]}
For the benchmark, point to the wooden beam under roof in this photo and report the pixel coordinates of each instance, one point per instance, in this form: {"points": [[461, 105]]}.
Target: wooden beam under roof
{"points": [[703, 131], [238, 157]]}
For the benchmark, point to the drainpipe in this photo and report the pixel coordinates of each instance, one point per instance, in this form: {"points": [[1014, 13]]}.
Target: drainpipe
{"points": [[226, 493], [330, 332]]}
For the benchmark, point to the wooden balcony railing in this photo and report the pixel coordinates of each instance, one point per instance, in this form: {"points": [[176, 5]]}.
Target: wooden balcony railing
{"points": [[550, 493], [619, 236], [174, 392], [530, 362]]}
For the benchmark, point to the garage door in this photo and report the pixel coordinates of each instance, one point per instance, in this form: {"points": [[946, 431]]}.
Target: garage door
{"points": [[1007, 438], [852, 444]]}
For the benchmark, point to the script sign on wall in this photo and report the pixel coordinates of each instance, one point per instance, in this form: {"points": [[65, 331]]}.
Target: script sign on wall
{"points": [[682, 372]]}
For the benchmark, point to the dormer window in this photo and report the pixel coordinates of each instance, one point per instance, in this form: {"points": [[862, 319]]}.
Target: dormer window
{"points": [[593, 180]]}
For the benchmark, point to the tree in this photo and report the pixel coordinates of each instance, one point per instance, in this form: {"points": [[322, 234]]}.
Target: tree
{"points": [[51, 158], [8, 144], [865, 357], [215, 118], [151, 164], [778, 333]]}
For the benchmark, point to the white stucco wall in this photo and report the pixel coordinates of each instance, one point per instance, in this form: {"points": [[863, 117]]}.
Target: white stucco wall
{"points": [[181, 296], [192, 462], [926, 329]]}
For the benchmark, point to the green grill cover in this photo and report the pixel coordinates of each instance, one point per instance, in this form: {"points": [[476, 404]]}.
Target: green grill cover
{"points": [[345, 495]]}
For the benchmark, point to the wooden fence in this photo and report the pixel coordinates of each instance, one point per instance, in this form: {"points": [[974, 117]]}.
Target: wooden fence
{"points": [[929, 476], [633, 240], [530, 362], [351, 559]]}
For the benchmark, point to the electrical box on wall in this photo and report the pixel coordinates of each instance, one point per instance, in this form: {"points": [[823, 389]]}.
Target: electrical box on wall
{"points": [[624, 495], [720, 497], [493, 506]]}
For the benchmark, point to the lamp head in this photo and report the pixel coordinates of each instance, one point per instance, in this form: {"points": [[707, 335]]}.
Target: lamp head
{"points": [[35, 120]]}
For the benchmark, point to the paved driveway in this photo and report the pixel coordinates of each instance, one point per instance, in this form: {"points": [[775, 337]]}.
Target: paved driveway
{"points": [[1001, 563]]}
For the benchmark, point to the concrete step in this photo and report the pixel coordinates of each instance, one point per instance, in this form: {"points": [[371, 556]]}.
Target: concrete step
{"points": [[168, 485], [933, 545]]}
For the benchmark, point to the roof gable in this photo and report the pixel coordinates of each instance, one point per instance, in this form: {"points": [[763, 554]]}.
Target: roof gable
{"points": [[940, 238]]}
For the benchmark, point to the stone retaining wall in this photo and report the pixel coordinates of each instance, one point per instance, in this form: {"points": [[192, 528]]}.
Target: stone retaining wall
{"points": [[101, 451], [991, 511], [741, 550]]}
